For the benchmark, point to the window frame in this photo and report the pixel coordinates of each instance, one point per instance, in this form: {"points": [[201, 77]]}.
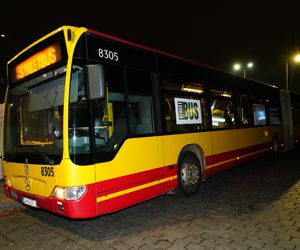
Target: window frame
{"points": [[223, 98], [186, 95]]}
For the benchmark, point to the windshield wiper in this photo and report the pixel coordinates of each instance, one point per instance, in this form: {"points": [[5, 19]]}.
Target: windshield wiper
{"points": [[45, 157], [7, 156]]}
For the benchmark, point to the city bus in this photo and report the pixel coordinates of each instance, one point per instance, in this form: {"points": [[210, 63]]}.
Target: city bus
{"points": [[94, 124]]}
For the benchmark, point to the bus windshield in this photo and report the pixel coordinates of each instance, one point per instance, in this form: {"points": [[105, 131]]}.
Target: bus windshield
{"points": [[33, 119]]}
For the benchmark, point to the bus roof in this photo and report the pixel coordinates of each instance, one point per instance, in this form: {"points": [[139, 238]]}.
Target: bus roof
{"points": [[123, 41], [171, 55]]}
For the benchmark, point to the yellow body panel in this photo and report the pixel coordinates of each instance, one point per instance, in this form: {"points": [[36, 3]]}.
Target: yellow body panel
{"points": [[249, 137], [224, 140], [135, 155], [173, 144]]}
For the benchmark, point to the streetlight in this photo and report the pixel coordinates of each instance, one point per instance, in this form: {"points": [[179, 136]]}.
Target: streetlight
{"points": [[238, 67], [296, 60]]}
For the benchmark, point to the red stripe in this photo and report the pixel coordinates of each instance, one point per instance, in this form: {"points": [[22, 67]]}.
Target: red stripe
{"points": [[233, 163], [213, 159], [129, 181], [237, 161], [126, 200]]}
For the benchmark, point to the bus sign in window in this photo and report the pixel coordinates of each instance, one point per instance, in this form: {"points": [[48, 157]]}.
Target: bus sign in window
{"points": [[38, 61], [188, 111]]}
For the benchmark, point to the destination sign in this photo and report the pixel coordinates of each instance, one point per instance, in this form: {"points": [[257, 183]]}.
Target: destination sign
{"points": [[38, 61]]}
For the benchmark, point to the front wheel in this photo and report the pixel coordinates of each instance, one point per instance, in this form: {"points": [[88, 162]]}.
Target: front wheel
{"points": [[189, 173]]}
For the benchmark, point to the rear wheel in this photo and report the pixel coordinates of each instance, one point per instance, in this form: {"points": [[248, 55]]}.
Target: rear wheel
{"points": [[189, 173], [275, 146]]}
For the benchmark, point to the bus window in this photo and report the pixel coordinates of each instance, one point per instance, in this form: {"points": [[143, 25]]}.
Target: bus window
{"points": [[259, 114], [109, 117], [110, 114], [295, 99], [79, 121], [185, 107], [243, 110], [274, 112], [139, 85], [222, 110], [296, 110]]}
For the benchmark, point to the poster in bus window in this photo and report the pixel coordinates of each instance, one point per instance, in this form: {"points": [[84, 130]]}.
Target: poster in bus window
{"points": [[259, 113], [188, 111]]}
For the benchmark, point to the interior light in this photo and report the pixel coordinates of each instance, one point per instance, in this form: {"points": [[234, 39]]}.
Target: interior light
{"points": [[218, 119], [192, 88], [226, 94]]}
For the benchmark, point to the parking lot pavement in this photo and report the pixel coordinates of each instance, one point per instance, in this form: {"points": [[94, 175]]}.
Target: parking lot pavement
{"points": [[8, 206], [253, 206]]}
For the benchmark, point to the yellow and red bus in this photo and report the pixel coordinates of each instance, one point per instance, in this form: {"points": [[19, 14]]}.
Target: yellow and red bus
{"points": [[94, 124]]}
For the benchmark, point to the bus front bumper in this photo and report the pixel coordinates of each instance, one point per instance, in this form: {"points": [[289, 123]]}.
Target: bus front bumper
{"points": [[85, 207]]}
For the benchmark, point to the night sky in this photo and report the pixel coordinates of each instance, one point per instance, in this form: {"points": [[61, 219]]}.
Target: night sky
{"points": [[218, 34]]}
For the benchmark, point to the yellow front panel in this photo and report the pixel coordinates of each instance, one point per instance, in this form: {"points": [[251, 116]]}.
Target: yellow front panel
{"points": [[71, 174], [41, 181]]}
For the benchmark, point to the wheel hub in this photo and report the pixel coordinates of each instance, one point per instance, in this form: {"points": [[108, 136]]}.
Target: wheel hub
{"points": [[189, 175]]}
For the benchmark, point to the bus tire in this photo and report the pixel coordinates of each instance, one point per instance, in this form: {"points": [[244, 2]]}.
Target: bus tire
{"points": [[275, 146], [189, 175]]}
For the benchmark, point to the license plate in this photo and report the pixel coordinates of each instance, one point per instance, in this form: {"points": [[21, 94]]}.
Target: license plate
{"points": [[29, 202]]}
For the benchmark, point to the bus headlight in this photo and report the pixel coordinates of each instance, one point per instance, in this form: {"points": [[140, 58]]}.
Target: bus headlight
{"points": [[69, 193]]}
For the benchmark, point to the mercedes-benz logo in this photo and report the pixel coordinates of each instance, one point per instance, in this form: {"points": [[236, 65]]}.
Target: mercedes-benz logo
{"points": [[27, 184], [26, 169]]}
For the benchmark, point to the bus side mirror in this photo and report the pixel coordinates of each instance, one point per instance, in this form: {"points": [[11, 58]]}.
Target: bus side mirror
{"points": [[95, 81]]}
